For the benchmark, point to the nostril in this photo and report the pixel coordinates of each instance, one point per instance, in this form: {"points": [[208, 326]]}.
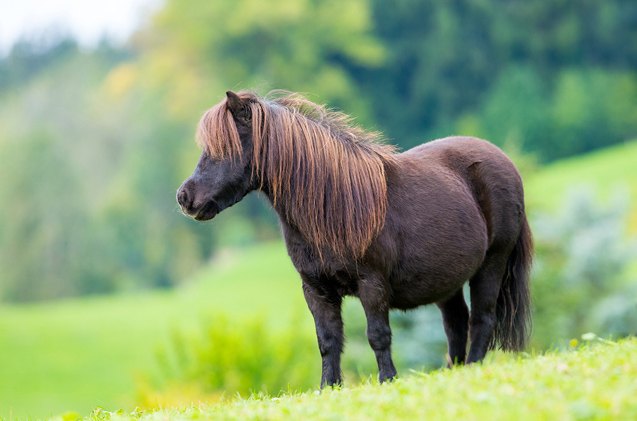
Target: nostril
{"points": [[182, 197]]}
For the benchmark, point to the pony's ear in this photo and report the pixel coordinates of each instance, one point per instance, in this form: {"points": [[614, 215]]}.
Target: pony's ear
{"points": [[239, 109]]}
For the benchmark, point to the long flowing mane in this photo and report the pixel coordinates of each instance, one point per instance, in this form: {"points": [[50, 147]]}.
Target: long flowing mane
{"points": [[325, 175]]}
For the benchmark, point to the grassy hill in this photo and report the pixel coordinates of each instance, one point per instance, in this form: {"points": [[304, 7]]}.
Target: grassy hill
{"points": [[78, 354], [593, 382]]}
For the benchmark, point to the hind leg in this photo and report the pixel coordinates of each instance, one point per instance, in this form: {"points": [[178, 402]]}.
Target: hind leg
{"points": [[485, 288], [455, 317]]}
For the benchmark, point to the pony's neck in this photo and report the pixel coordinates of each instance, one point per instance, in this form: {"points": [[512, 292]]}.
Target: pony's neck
{"points": [[281, 207]]}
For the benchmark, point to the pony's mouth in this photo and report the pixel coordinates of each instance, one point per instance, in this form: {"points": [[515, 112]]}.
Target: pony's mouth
{"points": [[207, 211]]}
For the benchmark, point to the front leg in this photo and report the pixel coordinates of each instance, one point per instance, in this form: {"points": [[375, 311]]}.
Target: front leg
{"points": [[374, 298], [325, 306]]}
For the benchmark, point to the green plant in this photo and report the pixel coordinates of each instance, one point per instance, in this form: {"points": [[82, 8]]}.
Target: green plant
{"points": [[230, 356]]}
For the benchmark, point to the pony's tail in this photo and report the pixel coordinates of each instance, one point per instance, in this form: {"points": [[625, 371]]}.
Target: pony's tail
{"points": [[513, 310]]}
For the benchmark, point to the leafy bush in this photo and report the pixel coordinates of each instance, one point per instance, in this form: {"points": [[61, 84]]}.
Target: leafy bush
{"points": [[226, 357], [229, 357]]}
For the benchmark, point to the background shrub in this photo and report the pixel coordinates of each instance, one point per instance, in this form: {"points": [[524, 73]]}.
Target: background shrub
{"points": [[226, 357]]}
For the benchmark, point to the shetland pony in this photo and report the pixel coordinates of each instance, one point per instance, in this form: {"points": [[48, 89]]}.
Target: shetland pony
{"points": [[396, 230]]}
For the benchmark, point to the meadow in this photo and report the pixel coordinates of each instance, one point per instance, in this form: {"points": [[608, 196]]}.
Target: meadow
{"points": [[79, 354], [595, 381]]}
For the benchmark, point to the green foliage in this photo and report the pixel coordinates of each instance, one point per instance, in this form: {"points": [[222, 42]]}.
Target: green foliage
{"points": [[595, 381], [581, 272], [27, 58], [591, 109], [32, 237], [587, 109], [560, 78], [418, 339], [515, 111], [298, 45], [233, 356]]}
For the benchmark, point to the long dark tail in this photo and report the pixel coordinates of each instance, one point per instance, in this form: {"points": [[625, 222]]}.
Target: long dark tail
{"points": [[513, 311]]}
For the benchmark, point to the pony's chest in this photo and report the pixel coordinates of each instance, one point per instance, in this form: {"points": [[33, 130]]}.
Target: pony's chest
{"points": [[341, 282], [344, 283], [325, 269]]}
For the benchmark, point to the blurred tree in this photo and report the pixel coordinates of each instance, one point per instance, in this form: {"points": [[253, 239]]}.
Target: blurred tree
{"points": [[41, 249], [50, 181], [441, 57], [299, 45], [515, 111], [29, 57], [591, 108], [148, 239], [448, 60]]}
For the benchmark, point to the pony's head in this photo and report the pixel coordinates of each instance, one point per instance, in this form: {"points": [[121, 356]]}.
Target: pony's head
{"points": [[223, 174]]}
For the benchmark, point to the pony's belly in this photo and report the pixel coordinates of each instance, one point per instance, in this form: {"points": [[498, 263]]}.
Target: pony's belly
{"points": [[432, 280], [421, 291], [438, 253]]}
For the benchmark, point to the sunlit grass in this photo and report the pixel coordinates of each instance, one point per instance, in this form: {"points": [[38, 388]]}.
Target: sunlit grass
{"points": [[593, 382]]}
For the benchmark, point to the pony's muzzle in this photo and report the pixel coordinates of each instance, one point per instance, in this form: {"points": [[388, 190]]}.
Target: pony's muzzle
{"points": [[193, 206]]}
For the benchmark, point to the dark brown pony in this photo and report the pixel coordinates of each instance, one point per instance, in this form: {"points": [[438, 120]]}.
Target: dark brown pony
{"points": [[397, 230]]}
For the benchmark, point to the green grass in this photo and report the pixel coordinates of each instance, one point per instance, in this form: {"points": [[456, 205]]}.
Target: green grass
{"points": [[594, 382], [79, 354]]}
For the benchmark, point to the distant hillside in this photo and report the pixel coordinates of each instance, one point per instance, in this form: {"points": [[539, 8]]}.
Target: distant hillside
{"points": [[608, 172]]}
